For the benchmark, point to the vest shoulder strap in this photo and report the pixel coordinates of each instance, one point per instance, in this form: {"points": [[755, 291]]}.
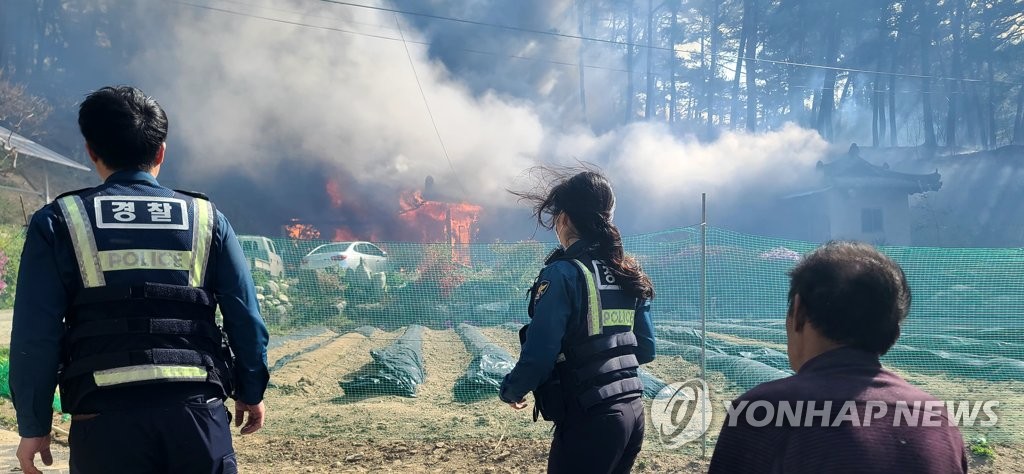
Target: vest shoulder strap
{"points": [[82, 239], [195, 194], [72, 193], [593, 300]]}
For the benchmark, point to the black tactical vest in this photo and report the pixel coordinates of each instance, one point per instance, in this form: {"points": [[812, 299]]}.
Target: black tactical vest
{"points": [[598, 362], [144, 314]]}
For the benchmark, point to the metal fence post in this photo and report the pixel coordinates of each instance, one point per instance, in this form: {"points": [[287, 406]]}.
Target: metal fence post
{"points": [[703, 314]]}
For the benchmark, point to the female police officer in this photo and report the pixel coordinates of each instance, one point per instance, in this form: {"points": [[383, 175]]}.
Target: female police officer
{"points": [[590, 331]]}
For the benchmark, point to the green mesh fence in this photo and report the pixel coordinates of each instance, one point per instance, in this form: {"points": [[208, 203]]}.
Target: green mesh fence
{"points": [[414, 344]]}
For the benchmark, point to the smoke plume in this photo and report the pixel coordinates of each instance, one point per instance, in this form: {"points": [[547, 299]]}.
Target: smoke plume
{"points": [[265, 113]]}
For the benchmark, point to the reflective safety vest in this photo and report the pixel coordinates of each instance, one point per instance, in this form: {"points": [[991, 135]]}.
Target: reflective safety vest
{"points": [[144, 314], [599, 366]]}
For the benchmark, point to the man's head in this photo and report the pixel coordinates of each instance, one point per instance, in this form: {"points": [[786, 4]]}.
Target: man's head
{"points": [[845, 294], [124, 129]]}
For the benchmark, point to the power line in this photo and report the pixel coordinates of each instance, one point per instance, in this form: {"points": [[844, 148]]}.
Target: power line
{"points": [[482, 23], [444, 149], [304, 14], [389, 38], [563, 63], [279, 20], [653, 47]]}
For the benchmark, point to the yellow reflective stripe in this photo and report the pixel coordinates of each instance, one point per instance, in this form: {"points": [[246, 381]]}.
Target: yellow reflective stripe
{"points": [[617, 317], [141, 373], [83, 240], [145, 259], [202, 238], [593, 301]]}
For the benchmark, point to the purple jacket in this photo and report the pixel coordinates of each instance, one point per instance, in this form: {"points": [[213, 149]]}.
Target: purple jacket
{"points": [[876, 422]]}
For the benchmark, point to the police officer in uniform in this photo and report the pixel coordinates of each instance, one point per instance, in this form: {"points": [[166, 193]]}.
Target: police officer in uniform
{"points": [[590, 331], [116, 301]]}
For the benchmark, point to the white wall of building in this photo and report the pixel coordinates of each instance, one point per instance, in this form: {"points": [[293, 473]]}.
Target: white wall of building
{"points": [[846, 208]]}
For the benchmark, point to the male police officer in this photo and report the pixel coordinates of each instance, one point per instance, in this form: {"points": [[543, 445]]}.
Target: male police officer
{"points": [[117, 294]]}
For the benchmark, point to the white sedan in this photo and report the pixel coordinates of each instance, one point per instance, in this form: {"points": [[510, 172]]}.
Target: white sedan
{"points": [[346, 255]]}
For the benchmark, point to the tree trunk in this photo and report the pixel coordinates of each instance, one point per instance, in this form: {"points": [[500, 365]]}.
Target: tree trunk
{"points": [[892, 104], [649, 93], [582, 68], [630, 52], [828, 88], [876, 114], [750, 30], [844, 96], [672, 62], [800, 77], [1018, 123], [881, 109], [815, 105], [3, 38], [928, 117], [847, 90], [979, 110], [713, 71], [22, 27], [956, 89], [992, 141], [735, 111]]}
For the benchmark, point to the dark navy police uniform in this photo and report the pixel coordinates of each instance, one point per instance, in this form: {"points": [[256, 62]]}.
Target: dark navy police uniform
{"points": [[116, 301], [580, 356]]}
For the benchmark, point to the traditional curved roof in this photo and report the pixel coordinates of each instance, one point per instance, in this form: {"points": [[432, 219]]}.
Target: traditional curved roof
{"points": [[852, 171]]}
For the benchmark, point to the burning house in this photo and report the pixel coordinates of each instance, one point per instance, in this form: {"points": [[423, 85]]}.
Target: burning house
{"points": [[425, 216], [441, 220]]}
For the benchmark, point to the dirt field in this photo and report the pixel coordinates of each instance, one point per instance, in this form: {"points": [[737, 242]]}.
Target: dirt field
{"points": [[313, 426]]}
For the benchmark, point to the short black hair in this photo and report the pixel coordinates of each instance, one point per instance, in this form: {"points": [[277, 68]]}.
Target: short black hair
{"points": [[123, 126], [852, 294]]}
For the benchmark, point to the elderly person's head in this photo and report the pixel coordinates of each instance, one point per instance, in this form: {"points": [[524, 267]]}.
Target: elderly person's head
{"points": [[844, 294]]}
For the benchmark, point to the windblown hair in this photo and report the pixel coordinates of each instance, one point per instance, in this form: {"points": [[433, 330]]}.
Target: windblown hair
{"points": [[585, 195]]}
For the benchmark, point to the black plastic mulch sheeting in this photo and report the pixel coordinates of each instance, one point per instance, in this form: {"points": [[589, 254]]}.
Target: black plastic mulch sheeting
{"points": [[974, 358], [692, 337], [396, 369], [1000, 369], [486, 371], [745, 373]]}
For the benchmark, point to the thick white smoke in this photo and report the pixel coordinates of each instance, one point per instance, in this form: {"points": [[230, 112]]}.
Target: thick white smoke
{"points": [[245, 94]]}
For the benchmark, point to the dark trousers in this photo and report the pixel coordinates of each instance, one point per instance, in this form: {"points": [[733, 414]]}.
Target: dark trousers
{"points": [[604, 440], [190, 436]]}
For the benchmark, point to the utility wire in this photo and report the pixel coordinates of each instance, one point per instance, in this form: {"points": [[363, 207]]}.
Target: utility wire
{"points": [[729, 56], [389, 38], [280, 20], [444, 149], [304, 14], [661, 48]]}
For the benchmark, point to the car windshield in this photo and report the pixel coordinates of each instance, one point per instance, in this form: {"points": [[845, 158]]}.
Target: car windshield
{"points": [[248, 246], [329, 248]]}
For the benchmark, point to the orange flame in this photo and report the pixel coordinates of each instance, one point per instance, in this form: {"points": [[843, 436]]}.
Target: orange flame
{"points": [[451, 223], [334, 191], [300, 231]]}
